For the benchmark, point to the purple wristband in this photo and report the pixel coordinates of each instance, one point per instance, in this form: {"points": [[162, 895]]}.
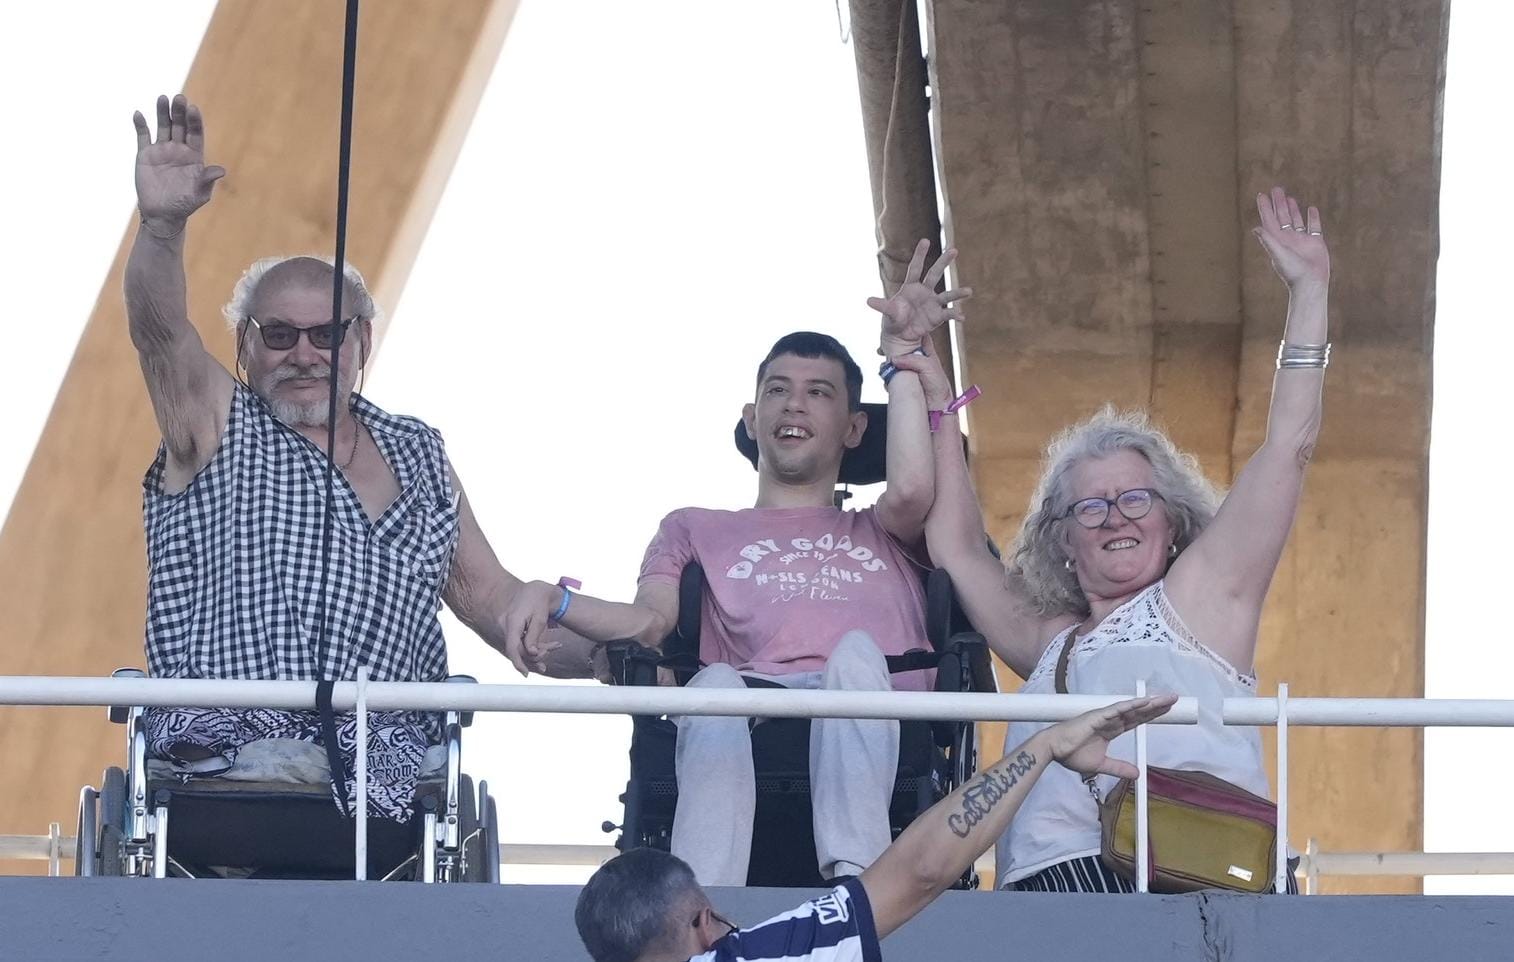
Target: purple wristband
{"points": [[963, 400]]}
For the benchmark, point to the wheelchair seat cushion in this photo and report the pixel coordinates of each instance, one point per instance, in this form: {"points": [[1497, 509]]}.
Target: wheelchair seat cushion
{"points": [[285, 761], [210, 741]]}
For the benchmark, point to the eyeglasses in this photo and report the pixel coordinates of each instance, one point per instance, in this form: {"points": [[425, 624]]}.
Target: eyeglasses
{"points": [[279, 336], [719, 918], [1134, 504]]}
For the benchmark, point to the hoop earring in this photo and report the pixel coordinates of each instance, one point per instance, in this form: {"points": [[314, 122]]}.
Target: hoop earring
{"points": [[1172, 550], [1067, 564]]}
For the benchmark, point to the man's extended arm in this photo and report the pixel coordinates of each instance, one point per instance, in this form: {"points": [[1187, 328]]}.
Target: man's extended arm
{"points": [[514, 616], [190, 392], [647, 620], [945, 841]]}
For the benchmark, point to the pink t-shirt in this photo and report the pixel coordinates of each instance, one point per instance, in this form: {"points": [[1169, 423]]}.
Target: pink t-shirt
{"points": [[786, 583]]}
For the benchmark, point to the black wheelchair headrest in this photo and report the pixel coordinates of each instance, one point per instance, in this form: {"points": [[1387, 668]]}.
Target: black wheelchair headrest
{"points": [[865, 464]]}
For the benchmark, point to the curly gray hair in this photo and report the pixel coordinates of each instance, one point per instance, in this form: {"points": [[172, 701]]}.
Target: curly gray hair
{"points": [[1039, 557], [238, 308]]}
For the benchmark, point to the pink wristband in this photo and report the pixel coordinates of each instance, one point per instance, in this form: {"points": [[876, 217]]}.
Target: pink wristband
{"points": [[963, 400]]}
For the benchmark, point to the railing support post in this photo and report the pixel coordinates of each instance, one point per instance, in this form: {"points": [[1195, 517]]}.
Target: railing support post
{"points": [[1280, 882], [360, 830], [1143, 828]]}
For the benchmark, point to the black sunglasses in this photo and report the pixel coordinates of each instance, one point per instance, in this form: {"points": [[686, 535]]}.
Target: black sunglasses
{"points": [[279, 336]]}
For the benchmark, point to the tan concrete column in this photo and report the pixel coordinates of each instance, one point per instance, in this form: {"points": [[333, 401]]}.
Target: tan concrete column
{"points": [[1099, 162]]}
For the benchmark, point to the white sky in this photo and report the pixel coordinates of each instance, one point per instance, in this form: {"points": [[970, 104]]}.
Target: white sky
{"points": [[608, 264], [1467, 778]]}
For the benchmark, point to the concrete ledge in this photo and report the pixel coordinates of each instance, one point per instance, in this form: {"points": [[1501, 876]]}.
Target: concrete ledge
{"points": [[42, 920]]}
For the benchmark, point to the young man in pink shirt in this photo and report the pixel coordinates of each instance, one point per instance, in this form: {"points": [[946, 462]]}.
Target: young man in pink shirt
{"points": [[799, 592]]}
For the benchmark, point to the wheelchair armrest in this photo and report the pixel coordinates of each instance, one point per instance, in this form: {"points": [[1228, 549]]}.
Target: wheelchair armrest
{"points": [[464, 718], [972, 648], [121, 714], [916, 659], [632, 663], [964, 666]]}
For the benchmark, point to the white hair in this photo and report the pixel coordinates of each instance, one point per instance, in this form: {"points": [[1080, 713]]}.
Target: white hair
{"points": [[238, 308], [1039, 554]]}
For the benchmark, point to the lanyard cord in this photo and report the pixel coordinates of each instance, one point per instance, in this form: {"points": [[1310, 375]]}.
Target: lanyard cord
{"points": [[338, 284]]}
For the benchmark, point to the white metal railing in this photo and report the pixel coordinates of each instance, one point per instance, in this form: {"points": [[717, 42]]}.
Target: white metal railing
{"points": [[1314, 863], [57, 848], [363, 696], [37, 690], [574, 699]]}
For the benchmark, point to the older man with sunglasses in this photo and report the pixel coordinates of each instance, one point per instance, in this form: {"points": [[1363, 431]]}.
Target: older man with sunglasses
{"points": [[236, 500]]}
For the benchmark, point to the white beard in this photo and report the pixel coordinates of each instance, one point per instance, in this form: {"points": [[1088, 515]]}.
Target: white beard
{"points": [[312, 415]]}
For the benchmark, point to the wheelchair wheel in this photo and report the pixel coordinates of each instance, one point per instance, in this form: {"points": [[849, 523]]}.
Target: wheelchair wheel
{"points": [[468, 824], [112, 821], [483, 849], [87, 832]]}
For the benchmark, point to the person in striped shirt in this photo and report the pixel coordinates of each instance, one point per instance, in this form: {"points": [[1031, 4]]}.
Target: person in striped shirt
{"points": [[646, 906]]}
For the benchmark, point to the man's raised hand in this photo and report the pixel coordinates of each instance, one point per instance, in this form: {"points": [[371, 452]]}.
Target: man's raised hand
{"points": [[1082, 743], [915, 309], [172, 179]]}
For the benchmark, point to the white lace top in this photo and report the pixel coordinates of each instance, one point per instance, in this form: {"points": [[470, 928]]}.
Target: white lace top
{"points": [[1143, 638]]}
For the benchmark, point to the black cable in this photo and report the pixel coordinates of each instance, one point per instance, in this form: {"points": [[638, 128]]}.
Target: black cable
{"points": [[338, 284]]}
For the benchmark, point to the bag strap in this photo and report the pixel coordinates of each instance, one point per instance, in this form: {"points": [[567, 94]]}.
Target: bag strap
{"points": [[328, 736], [1063, 658]]}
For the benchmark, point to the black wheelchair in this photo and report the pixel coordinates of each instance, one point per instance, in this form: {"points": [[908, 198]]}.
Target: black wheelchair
{"points": [[280, 829], [934, 757]]}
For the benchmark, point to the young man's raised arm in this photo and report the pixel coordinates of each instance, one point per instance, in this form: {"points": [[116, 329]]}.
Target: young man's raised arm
{"points": [[945, 841], [909, 317]]}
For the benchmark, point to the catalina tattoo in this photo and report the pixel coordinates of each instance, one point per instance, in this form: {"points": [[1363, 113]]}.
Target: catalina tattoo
{"points": [[979, 799]]}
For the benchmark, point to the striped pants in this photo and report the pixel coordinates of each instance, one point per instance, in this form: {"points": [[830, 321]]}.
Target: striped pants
{"points": [[1090, 874]]}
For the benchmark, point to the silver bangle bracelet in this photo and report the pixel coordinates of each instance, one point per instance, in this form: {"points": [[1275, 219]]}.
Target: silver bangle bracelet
{"points": [[1296, 356]]}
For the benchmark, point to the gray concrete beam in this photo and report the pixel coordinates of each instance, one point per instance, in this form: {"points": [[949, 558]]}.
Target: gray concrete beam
{"points": [[51, 920]]}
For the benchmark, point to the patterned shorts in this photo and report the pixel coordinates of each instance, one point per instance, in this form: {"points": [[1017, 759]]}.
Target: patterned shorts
{"points": [[205, 741]]}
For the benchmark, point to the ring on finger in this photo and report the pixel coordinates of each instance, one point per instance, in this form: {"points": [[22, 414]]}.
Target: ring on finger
{"points": [[1286, 226], [1316, 233]]}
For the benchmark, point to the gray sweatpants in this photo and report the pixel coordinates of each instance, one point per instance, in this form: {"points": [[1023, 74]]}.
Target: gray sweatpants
{"points": [[852, 768]]}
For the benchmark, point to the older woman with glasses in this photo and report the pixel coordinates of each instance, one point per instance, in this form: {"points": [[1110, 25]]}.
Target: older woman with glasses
{"points": [[1130, 559]]}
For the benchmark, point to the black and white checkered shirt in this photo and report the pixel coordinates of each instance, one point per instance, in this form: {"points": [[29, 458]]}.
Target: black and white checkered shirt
{"points": [[234, 561]]}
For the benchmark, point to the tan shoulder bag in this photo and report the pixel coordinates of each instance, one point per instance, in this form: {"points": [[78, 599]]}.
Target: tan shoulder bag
{"points": [[1203, 832]]}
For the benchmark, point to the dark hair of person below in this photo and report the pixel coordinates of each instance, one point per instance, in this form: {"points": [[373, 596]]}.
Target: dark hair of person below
{"points": [[808, 344], [630, 904]]}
